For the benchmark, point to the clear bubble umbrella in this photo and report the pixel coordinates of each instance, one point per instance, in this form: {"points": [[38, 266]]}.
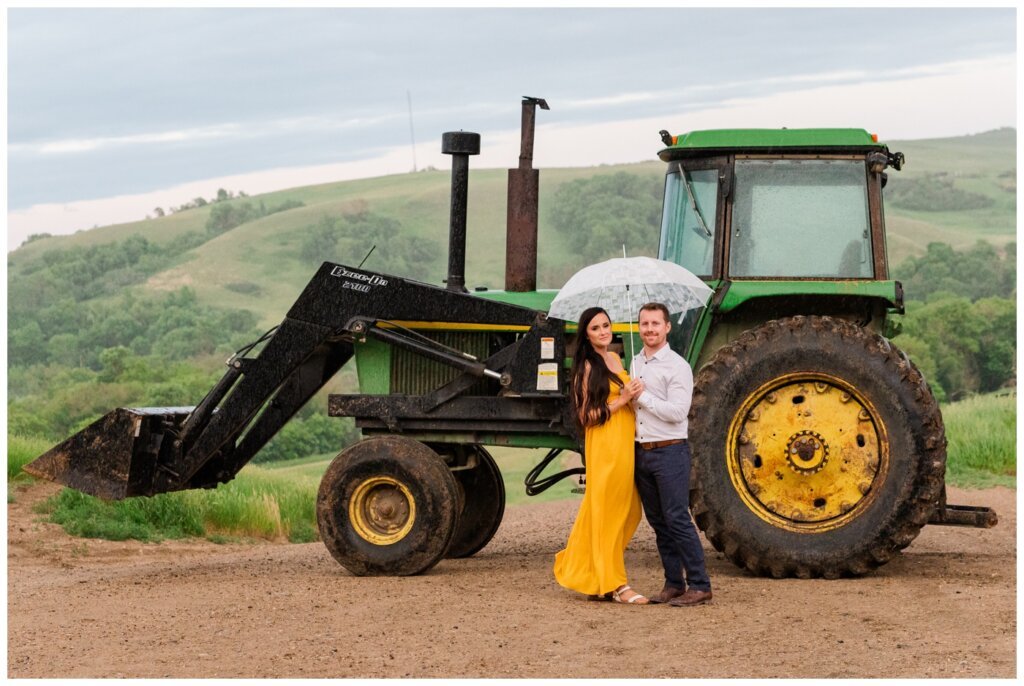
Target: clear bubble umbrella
{"points": [[621, 284]]}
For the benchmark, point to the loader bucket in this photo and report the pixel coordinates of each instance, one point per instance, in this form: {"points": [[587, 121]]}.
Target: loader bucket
{"points": [[114, 457]]}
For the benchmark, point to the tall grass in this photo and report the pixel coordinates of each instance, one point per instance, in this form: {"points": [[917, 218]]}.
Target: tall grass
{"points": [[982, 436], [20, 451], [256, 504], [262, 504]]}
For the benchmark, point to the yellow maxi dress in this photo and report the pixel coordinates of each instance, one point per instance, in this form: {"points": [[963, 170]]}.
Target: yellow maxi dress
{"points": [[593, 561]]}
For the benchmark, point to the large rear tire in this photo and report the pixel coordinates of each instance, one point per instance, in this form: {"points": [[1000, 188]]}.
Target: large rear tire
{"points": [[484, 497], [387, 506], [818, 447]]}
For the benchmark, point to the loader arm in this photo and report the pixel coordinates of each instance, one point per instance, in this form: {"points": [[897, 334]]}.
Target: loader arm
{"points": [[145, 451]]}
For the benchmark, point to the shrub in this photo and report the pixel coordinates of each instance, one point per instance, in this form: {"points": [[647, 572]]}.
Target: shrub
{"points": [[933, 193], [244, 287], [226, 216], [970, 346], [354, 233], [313, 435], [981, 271], [597, 216]]}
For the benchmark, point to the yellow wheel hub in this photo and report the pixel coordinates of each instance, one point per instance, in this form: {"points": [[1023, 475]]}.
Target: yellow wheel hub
{"points": [[382, 510], [805, 452]]}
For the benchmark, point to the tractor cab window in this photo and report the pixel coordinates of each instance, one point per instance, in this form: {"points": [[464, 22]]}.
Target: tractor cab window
{"points": [[688, 219], [800, 218]]}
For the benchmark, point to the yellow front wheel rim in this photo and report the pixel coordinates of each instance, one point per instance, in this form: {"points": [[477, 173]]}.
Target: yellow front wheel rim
{"points": [[382, 510], [806, 451]]}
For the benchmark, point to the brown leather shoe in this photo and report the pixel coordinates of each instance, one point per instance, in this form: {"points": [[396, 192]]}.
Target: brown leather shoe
{"points": [[667, 594], [690, 598]]}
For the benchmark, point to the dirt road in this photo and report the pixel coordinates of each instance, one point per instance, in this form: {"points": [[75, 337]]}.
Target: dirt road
{"points": [[85, 608]]}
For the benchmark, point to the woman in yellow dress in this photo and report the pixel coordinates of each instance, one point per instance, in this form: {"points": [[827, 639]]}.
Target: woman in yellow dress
{"points": [[593, 560]]}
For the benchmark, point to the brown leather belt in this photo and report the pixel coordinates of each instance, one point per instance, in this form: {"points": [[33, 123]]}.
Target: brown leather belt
{"points": [[654, 445]]}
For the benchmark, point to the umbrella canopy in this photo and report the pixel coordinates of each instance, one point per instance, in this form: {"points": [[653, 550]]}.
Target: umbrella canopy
{"points": [[619, 285]]}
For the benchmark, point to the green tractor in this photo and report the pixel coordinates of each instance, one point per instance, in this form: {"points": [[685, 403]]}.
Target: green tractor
{"points": [[819, 449]]}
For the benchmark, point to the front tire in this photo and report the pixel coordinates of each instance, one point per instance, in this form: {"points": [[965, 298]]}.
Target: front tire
{"points": [[484, 505], [819, 449], [387, 506]]}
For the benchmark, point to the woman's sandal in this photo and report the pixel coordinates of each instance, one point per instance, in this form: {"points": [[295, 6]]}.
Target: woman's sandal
{"points": [[635, 599]]}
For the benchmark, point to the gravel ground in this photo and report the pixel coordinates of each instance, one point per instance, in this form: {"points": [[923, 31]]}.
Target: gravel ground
{"points": [[89, 608]]}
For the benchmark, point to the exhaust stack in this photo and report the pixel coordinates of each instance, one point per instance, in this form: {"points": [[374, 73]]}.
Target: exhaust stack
{"points": [[460, 145], [523, 191]]}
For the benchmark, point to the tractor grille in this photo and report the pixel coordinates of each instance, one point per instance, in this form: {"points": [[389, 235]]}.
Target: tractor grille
{"points": [[412, 374]]}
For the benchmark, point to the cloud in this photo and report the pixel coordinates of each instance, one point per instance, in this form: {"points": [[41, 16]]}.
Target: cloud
{"points": [[855, 76], [215, 132], [610, 101], [712, 95], [932, 101], [78, 145]]}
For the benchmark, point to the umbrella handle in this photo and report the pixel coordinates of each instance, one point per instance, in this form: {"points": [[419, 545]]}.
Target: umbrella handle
{"points": [[629, 305]]}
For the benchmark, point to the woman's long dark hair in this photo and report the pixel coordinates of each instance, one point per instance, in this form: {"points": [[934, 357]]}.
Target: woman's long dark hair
{"points": [[591, 409]]}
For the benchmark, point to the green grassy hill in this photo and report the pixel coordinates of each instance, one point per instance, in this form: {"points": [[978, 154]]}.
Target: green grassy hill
{"points": [[983, 164], [258, 266]]}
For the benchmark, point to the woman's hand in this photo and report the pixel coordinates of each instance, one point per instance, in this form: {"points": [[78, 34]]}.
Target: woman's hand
{"points": [[626, 392], [634, 389]]}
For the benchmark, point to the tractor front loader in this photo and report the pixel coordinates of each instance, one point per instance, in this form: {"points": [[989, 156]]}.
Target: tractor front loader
{"points": [[818, 447], [467, 370]]}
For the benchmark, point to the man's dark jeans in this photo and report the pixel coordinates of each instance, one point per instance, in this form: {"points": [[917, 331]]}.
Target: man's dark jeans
{"points": [[663, 479]]}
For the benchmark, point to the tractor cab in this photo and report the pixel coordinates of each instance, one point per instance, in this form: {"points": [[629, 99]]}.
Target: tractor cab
{"points": [[769, 215]]}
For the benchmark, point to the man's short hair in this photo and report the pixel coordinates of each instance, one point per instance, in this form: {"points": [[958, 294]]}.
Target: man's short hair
{"points": [[656, 306]]}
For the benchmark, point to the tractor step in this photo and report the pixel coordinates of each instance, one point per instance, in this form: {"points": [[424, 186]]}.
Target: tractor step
{"points": [[965, 515], [116, 456]]}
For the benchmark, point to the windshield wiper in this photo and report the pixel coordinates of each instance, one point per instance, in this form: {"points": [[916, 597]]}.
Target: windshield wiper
{"points": [[693, 203]]}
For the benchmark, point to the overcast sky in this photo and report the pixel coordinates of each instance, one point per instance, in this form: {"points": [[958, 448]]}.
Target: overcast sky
{"points": [[113, 112]]}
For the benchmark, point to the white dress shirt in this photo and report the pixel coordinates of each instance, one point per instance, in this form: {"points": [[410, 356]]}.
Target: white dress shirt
{"points": [[668, 389]]}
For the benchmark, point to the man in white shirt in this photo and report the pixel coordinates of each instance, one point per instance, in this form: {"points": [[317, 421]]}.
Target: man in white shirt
{"points": [[664, 383]]}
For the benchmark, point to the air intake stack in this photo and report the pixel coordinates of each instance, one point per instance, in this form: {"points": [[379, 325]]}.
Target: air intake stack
{"points": [[460, 145]]}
